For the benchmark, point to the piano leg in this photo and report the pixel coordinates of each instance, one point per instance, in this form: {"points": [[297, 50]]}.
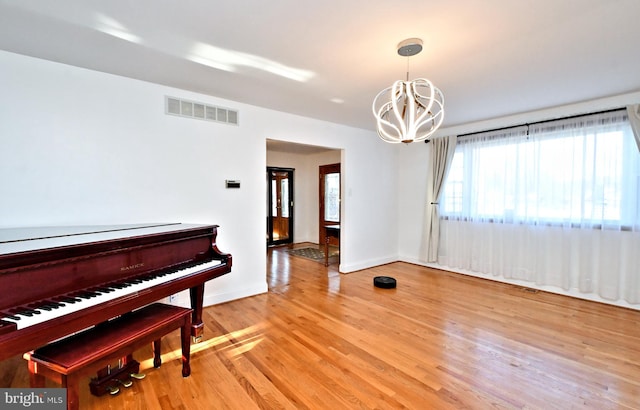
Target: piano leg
{"points": [[186, 348], [197, 299], [157, 353]]}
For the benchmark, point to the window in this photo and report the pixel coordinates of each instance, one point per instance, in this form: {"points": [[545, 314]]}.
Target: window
{"points": [[284, 189], [332, 197], [578, 171]]}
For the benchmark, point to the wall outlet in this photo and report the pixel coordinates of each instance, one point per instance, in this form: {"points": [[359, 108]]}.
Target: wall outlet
{"points": [[173, 298]]}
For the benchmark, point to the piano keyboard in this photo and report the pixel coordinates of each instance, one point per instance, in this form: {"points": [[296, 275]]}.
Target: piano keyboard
{"points": [[41, 312]]}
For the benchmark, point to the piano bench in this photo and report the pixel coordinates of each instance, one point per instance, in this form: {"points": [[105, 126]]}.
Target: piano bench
{"points": [[67, 360]]}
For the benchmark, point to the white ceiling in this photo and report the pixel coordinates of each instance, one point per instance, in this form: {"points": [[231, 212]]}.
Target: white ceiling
{"points": [[490, 58]]}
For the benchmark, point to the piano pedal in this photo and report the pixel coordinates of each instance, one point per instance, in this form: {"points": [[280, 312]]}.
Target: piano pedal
{"points": [[138, 376], [113, 390], [125, 383], [111, 379]]}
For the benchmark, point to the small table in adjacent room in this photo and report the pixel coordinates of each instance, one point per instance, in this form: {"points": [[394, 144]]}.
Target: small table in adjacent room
{"points": [[331, 231]]}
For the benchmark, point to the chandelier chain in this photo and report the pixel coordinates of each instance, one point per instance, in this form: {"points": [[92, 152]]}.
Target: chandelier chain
{"points": [[408, 58]]}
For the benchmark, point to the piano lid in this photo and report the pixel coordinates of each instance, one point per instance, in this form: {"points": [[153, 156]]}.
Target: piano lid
{"points": [[15, 240]]}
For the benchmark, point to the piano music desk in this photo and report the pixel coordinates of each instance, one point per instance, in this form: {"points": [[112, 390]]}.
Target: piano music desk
{"points": [[67, 360]]}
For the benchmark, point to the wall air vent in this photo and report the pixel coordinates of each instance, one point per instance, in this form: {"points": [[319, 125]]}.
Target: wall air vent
{"points": [[201, 111]]}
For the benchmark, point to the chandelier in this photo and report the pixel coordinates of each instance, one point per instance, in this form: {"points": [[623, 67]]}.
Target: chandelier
{"points": [[408, 111]]}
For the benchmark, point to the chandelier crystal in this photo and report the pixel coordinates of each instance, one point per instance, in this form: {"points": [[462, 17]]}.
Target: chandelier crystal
{"points": [[408, 111]]}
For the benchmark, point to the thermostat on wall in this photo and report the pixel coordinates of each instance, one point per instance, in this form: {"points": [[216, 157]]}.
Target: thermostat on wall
{"points": [[232, 183]]}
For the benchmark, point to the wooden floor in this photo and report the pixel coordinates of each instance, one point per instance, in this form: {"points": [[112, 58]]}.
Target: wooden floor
{"points": [[323, 340]]}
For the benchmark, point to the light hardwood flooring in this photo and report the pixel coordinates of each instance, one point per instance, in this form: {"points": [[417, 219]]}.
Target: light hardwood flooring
{"points": [[324, 340]]}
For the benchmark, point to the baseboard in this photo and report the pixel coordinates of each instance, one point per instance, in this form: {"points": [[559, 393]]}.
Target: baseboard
{"points": [[574, 293], [215, 299], [183, 298], [349, 268]]}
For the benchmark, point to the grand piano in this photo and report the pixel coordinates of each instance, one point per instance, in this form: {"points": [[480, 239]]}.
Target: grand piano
{"points": [[57, 281]]}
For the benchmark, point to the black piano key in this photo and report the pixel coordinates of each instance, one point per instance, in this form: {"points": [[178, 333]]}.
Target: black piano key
{"points": [[25, 312], [13, 317], [45, 305], [135, 281], [91, 294], [66, 299], [53, 304], [104, 290], [97, 291]]}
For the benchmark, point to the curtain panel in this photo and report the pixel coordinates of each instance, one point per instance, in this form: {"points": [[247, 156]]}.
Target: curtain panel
{"points": [[442, 150], [555, 204]]}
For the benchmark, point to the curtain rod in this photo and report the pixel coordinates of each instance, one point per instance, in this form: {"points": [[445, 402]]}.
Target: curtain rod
{"points": [[537, 122]]}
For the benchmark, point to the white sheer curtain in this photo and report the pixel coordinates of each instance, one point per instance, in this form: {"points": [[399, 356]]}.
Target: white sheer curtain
{"points": [[557, 205], [442, 150]]}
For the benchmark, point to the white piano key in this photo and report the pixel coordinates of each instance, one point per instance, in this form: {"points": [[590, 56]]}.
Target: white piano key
{"points": [[45, 315]]}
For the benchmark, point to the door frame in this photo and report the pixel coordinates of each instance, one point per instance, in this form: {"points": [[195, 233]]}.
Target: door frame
{"points": [[289, 239]]}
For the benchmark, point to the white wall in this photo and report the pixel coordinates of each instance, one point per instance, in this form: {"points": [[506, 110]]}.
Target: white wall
{"points": [[306, 194], [84, 147]]}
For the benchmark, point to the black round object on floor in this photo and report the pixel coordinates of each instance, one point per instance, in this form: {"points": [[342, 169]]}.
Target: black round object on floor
{"points": [[385, 282]]}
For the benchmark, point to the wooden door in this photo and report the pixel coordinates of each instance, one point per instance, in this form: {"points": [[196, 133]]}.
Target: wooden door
{"points": [[280, 206], [329, 185]]}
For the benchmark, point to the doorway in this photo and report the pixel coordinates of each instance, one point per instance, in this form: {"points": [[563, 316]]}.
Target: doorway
{"points": [[279, 206]]}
